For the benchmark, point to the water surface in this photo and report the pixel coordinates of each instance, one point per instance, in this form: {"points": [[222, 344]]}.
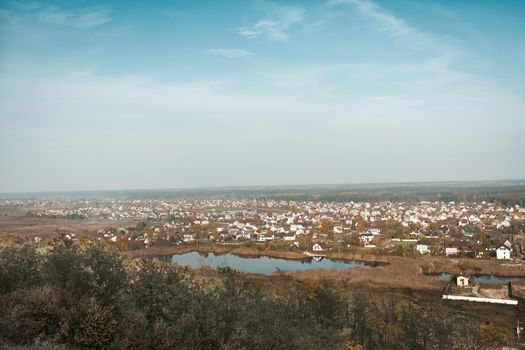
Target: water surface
{"points": [[263, 264], [483, 278]]}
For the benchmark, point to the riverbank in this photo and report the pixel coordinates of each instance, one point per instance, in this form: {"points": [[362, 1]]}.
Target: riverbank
{"points": [[251, 252], [397, 272], [500, 268]]}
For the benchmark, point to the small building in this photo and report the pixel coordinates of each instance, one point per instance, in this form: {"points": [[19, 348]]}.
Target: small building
{"points": [[451, 251], [503, 252], [422, 249], [375, 231], [289, 237], [317, 248], [366, 237], [462, 281], [264, 238]]}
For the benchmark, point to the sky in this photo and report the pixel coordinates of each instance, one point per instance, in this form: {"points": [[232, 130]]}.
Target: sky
{"points": [[172, 94]]}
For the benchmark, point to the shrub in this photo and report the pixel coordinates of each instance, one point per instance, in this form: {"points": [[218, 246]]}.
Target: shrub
{"points": [[19, 267], [37, 313], [95, 327]]}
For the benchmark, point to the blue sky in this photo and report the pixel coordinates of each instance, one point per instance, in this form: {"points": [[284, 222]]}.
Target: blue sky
{"points": [[164, 94]]}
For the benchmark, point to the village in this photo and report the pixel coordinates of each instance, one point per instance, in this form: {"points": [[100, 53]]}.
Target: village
{"points": [[475, 230], [466, 255]]}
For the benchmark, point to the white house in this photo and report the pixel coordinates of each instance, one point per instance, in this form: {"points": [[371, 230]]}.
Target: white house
{"points": [[451, 251], [462, 281], [422, 249], [503, 252], [366, 238], [375, 231], [289, 237], [264, 238], [317, 248]]}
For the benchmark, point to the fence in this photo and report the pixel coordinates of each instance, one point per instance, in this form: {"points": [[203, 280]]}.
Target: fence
{"points": [[481, 300]]}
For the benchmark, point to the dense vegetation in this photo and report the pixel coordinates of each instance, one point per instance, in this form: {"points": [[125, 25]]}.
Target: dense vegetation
{"points": [[90, 297]]}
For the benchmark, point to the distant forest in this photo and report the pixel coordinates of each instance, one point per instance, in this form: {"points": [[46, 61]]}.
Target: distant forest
{"points": [[503, 192]]}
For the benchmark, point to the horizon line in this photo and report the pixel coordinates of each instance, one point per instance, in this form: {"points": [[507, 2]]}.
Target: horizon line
{"points": [[234, 187]]}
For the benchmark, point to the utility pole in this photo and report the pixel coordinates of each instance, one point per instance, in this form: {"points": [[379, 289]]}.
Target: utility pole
{"points": [[518, 331]]}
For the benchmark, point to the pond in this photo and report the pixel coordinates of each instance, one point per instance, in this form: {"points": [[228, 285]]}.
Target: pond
{"points": [[484, 278], [263, 264]]}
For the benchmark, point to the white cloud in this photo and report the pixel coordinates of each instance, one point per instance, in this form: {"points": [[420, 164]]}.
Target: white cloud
{"points": [[275, 25], [229, 53], [53, 15]]}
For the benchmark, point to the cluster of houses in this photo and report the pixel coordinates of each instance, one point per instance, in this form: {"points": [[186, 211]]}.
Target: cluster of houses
{"points": [[421, 214], [479, 229]]}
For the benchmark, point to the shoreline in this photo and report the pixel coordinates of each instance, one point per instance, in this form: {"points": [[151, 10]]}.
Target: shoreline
{"points": [[407, 272], [251, 252]]}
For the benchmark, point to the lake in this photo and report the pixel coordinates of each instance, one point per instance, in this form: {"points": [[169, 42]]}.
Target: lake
{"points": [[263, 264], [483, 278]]}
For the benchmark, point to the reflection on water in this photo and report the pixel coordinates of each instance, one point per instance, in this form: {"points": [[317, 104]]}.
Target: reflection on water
{"points": [[263, 264]]}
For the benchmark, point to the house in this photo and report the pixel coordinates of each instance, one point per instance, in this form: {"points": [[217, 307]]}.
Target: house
{"points": [[503, 252], [366, 237], [504, 223], [451, 251], [375, 231], [422, 249], [473, 219], [317, 248], [338, 229], [463, 222], [289, 237], [264, 238], [462, 281]]}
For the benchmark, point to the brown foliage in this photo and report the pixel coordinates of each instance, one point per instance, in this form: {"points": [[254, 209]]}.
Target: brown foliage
{"points": [[96, 325], [33, 314]]}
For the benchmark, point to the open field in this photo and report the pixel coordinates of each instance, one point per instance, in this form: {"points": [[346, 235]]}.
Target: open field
{"points": [[13, 228]]}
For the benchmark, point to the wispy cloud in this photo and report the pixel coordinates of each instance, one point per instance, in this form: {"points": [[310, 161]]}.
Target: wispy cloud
{"points": [[228, 53], [389, 21], [275, 25], [56, 16], [81, 19], [400, 29]]}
